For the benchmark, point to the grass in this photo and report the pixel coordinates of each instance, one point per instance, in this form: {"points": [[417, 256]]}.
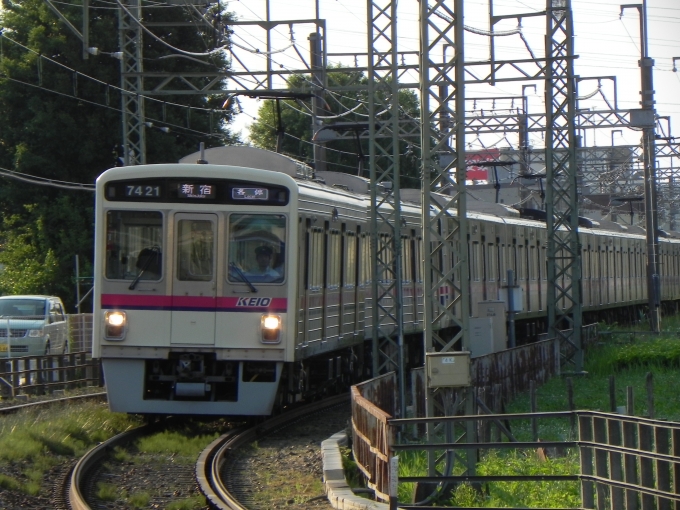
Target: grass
{"points": [[277, 488], [107, 491], [184, 447], [39, 440]]}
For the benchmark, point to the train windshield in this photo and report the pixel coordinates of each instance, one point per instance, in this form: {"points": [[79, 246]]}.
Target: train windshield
{"points": [[133, 245], [257, 248]]}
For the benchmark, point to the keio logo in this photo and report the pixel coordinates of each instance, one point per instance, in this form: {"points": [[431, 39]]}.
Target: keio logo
{"points": [[254, 302]]}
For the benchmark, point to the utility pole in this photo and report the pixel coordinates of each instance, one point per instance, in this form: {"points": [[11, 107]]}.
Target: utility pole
{"points": [[319, 85], [646, 119]]}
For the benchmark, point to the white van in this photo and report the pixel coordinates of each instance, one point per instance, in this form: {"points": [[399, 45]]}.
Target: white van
{"points": [[32, 326]]}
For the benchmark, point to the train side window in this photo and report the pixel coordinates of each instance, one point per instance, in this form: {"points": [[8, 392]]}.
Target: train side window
{"points": [[365, 260], [350, 260], [521, 263], [333, 256], [418, 259], [134, 241], [512, 260], [406, 260], [491, 274], [475, 257], [502, 263], [257, 248], [316, 259]]}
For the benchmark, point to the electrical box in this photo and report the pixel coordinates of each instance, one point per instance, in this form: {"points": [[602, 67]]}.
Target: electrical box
{"points": [[488, 331], [447, 369], [481, 336], [642, 118]]}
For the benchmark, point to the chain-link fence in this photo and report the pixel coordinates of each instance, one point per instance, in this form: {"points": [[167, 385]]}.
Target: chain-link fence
{"points": [[80, 332]]}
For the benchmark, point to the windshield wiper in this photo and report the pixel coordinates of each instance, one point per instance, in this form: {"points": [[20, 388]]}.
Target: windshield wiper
{"points": [[243, 277], [156, 251]]}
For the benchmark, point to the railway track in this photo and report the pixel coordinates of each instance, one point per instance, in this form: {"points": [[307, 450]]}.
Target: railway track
{"points": [[211, 471], [46, 403]]}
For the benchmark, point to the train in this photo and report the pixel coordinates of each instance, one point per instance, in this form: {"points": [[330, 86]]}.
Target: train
{"points": [[239, 282]]}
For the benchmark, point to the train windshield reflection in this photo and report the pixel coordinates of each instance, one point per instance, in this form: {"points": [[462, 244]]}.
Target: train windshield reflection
{"points": [[257, 247], [133, 245]]}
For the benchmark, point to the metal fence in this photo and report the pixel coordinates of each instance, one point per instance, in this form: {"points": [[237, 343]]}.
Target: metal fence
{"points": [[625, 462], [41, 375], [80, 332]]}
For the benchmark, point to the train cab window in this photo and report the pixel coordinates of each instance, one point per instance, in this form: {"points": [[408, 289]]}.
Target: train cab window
{"points": [[195, 250], [134, 240], [257, 248]]}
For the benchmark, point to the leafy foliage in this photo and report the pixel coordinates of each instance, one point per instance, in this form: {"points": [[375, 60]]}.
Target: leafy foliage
{"points": [[287, 127], [29, 267], [60, 125]]}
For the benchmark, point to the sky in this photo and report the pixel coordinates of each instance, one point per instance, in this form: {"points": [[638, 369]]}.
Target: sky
{"points": [[606, 43]]}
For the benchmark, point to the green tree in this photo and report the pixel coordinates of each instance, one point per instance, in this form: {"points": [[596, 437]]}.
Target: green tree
{"points": [[29, 266], [57, 124], [350, 106]]}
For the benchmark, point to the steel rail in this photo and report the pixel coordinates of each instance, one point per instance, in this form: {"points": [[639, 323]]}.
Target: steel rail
{"points": [[211, 460], [76, 498]]}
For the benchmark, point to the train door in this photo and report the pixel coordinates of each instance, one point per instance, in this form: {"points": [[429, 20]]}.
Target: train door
{"points": [[194, 280]]}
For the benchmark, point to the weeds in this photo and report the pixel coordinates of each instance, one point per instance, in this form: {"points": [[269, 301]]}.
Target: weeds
{"points": [[107, 491], [40, 439]]}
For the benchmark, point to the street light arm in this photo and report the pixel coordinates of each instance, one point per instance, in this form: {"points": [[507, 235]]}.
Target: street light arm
{"points": [[675, 69]]}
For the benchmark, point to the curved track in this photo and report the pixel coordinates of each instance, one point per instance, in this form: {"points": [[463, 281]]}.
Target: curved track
{"points": [[76, 498], [210, 463]]}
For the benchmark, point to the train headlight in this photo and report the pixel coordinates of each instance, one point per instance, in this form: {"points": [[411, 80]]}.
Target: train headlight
{"points": [[271, 329], [116, 325]]}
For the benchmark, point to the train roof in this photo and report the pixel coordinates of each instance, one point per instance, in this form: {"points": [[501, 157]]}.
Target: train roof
{"points": [[477, 206], [252, 157]]}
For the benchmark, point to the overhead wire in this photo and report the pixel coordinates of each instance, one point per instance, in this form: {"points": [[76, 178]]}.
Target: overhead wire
{"points": [[160, 40], [43, 181]]}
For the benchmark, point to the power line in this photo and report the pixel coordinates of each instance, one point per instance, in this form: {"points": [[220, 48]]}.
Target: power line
{"points": [[42, 181]]}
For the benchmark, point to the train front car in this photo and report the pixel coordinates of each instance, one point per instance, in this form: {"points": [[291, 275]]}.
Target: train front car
{"points": [[193, 287]]}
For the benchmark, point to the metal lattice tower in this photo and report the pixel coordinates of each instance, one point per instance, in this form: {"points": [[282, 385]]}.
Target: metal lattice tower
{"points": [[132, 82], [444, 222], [386, 245], [445, 225], [564, 263]]}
